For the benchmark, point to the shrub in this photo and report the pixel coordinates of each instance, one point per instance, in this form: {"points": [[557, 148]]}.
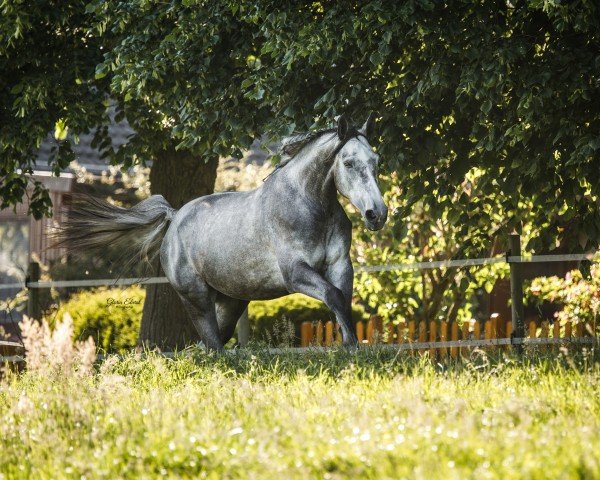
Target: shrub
{"points": [[53, 352], [296, 308], [419, 231], [578, 297], [111, 316]]}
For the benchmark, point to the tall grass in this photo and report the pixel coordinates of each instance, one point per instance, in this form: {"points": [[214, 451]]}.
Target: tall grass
{"points": [[337, 414]]}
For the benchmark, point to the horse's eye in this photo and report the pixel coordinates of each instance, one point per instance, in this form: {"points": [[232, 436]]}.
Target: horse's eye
{"points": [[348, 164]]}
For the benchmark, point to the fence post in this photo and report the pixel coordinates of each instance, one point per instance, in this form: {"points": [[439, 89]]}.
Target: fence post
{"points": [[33, 298], [244, 329], [516, 290]]}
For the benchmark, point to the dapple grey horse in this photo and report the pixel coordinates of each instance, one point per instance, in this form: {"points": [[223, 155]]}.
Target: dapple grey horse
{"points": [[289, 235]]}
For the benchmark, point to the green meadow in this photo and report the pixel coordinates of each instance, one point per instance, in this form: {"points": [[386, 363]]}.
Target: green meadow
{"points": [[371, 413]]}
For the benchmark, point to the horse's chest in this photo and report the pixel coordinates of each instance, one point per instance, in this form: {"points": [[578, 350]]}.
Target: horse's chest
{"points": [[317, 256], [328, 249]]}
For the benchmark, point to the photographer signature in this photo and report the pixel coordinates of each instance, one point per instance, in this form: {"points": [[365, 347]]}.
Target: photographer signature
{"points": [[125, 303]]}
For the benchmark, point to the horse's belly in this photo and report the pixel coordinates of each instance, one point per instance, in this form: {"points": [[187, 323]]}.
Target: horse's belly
{"points": [[246, 280], [227, 247], [237, 264]]}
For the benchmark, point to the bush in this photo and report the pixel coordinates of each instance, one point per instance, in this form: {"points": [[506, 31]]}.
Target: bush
{"points": [[577, 297], [296, 308], [111, 316], [421, 232]]}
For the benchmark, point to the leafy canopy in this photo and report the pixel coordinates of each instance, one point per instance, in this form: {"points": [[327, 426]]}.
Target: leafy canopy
{"points": [[504, 89]]}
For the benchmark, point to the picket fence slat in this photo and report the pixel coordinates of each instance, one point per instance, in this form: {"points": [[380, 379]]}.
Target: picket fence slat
{"points": [[329, 333], [443, 338], [532, 329], [360, 332], [454, 332], [477, 330], [370, 328], [432, 336]]}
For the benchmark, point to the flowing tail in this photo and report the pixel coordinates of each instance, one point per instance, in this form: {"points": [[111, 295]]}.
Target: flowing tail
{"points": [[137, 232]]}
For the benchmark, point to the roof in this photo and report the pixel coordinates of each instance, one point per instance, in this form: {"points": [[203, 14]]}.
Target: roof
{"points": [[119, 132], [88, 157]]}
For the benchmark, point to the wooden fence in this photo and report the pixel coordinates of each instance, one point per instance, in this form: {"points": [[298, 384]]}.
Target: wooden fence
{"points": [[443, 339], [440, 340]]}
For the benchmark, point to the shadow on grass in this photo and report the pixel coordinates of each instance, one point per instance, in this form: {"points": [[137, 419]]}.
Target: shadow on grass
{"points": [[258, 362]]}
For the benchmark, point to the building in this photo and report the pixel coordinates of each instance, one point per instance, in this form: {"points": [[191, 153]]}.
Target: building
{"points": [[23, 238]]}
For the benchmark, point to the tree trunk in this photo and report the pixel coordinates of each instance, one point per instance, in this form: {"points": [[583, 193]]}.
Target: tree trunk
{"points": [[180, 177]]}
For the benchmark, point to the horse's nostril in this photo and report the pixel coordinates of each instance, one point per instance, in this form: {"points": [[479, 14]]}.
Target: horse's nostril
{"points": [[370, 215]]}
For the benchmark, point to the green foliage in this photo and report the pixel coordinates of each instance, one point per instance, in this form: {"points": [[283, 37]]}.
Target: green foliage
{"points": [[296, 308], [47, 62], [212, 115], [437, 294], [577, 296], [111, 316], [507, 89]]}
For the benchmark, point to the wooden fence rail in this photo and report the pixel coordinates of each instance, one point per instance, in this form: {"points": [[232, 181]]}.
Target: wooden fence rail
{"points": [[430, 334]]}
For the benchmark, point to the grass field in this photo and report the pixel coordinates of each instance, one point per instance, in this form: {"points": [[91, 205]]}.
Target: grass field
{"points": [[367, 414]]}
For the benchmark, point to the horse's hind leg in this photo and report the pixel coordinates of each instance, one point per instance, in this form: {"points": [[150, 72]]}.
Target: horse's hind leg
{"points": [[229, 311], [199, 301], [197, 296]]}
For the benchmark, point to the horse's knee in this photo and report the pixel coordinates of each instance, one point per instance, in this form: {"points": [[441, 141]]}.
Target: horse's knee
{"points": [[335, 298]]}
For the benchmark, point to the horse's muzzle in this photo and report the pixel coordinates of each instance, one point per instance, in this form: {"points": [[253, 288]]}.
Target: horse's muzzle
{"points": [[375, 218]]}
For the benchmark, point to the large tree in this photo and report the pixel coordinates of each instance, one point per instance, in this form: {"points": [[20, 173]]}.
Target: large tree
{"points": [[63, 63], [507, 91]]}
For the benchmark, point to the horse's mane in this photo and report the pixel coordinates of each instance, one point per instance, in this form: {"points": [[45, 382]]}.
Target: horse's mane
{"points": [[291, 146]]}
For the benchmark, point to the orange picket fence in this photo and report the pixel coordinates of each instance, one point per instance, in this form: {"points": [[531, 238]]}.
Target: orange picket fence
{"points": [[427, 334]]}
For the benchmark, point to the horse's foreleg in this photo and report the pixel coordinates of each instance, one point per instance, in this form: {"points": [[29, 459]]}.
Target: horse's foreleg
{"points": [[229, 311], [302, 278], [341, 275]]}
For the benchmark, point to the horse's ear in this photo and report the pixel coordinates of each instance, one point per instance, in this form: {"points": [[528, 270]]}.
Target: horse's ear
{"points": [[342, 128], [369, 127]]}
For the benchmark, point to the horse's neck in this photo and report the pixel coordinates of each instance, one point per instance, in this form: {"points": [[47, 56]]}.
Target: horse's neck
{"points": [[312, 171]]}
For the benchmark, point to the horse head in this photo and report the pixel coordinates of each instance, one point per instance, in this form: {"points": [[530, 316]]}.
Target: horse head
{"points": [[355, 172]]}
